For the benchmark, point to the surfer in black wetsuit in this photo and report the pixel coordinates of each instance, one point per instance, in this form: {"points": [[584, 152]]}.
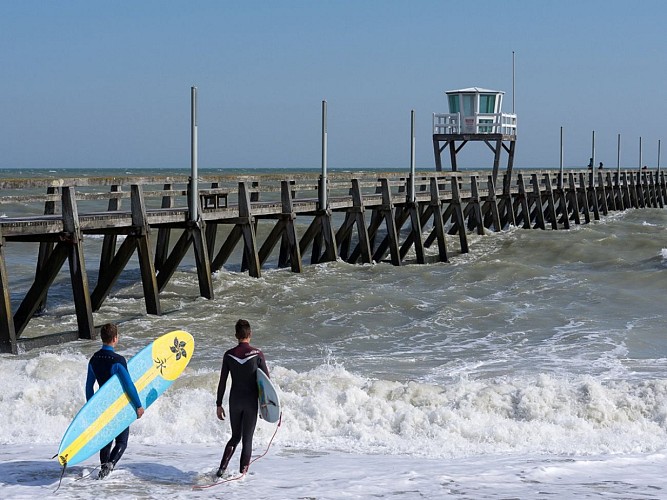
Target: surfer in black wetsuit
{"points": [[242, 362], [103, 365]]}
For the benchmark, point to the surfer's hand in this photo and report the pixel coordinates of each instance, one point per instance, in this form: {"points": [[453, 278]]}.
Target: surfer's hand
{"points": [[220, 411], [140, 412]]}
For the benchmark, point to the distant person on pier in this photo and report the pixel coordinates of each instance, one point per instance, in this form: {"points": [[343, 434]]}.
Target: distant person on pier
{"points": [[242, 362], [590, 163], [644, 167], [103, 365], [601, 166]]}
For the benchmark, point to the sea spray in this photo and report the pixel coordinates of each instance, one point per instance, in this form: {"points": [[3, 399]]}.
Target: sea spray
{"points": [[330, 407]]}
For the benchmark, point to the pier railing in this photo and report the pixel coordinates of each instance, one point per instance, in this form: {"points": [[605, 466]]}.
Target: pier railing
{"points": [[271, 221], [480, 123]]}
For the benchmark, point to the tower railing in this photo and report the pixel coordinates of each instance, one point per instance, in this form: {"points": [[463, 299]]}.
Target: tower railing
{"points": [[480, 123]]}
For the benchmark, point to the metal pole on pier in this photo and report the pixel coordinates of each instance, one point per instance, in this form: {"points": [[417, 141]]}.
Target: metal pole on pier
{"points": [[412, 156], [512, 82], [323, 184], [592, 176], [657, 180], [561, 154], [640, 152], [194, 187], [618, 157], [658, 155]]}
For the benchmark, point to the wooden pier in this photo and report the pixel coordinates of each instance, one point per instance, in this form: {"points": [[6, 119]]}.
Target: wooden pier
{"points": [[368, 218]]}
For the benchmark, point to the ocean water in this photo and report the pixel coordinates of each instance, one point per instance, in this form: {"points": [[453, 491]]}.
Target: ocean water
{"points": [[534, 366]]}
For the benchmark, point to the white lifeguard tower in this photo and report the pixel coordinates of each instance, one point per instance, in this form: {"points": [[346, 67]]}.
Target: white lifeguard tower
{"points": [[475, 114]]}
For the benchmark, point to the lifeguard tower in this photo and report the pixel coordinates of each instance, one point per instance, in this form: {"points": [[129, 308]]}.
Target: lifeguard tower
{"points": [[475, 114]]}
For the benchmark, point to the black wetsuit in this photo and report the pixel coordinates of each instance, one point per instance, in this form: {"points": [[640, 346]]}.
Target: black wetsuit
{"points": [[242, 362], [103, 365]]}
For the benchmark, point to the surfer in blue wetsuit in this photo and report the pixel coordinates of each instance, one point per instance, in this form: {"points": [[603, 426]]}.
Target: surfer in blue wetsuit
{"points": [[103, 365], [242, 362]]}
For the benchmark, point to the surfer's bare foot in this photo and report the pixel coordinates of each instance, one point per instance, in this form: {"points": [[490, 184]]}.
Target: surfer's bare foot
{"points": [[220, 472]]}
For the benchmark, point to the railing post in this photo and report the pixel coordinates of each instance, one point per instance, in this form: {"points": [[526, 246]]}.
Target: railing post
{"points": [[618, 158], [560, 177], [412, 157], [323, 184], [194, 187]]}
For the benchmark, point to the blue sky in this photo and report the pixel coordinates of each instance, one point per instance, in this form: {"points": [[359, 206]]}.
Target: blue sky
{"points": [[90, 84]]}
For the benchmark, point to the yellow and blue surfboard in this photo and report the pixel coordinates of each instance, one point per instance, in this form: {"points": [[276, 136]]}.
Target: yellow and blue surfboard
{"points": [[109, 411]]}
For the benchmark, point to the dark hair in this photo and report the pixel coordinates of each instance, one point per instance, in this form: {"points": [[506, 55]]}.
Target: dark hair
{"points": [[108, 332], [243, 330]]}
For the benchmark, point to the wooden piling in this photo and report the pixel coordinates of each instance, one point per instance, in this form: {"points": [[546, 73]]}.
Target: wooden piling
{"points": [[387, 212], [77, 266], [490, 210], [458, 221], [7, 331]]}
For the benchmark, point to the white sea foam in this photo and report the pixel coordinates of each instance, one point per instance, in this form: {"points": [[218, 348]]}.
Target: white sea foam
{"points": [[330, 408], [346, 435]]}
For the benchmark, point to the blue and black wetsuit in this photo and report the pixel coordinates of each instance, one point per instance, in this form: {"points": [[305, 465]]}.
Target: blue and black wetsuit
{"points": [[242, 362], [103, 365]]}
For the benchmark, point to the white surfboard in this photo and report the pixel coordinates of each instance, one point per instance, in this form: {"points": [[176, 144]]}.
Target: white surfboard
{"points": [[269, 402]]}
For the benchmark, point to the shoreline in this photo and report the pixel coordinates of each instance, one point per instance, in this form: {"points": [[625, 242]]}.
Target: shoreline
{"points": [[148, 471]]}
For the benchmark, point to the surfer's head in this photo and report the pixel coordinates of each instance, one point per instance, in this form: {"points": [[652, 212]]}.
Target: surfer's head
{"points": [[108, 333], [243, 331]]}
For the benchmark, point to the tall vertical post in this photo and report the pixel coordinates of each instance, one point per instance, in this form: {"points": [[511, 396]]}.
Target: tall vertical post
{"points": [[640, 152], [512, 82], [658, 184], [658, 155], [413, 208], [561, 155], [194, 187], [412, 157], [591, 176], [323, 183], [618, 158]]}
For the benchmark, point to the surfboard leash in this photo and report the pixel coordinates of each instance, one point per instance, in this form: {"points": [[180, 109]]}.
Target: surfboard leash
{"points": [[218, 483], [89, 474], [241, 476], [62, 474], [280, 421]]}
